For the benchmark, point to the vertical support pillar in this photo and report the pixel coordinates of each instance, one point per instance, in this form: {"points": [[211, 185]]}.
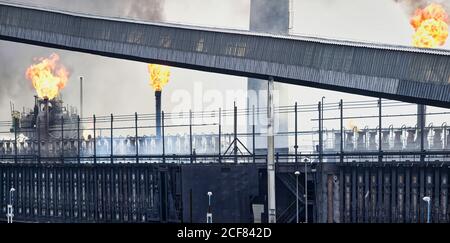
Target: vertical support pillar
{"points": [[437, 185], [136, 143], [380, 214], [421, 121], [354, 194], [422, 208], [39, 138], [387, 195], [112, 139], [306, 191], [407, 194], [444, 195], [235, 148], [330, 193], [394, 215], [163, 194], [190, 135], [16, 120], [341, 118], [320, 132], [270, 155], [163, 138], [220, 135], [380, 148], [341, 194], [95, 141], [81, 97], [296, 134], [366, 194], [78, 140], [62, 139], [253, 136]]}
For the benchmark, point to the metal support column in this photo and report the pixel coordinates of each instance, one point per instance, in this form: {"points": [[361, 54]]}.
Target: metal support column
{"points": [[163, 138], [190, 135], [421, 111], [320, 132], [111, 139], [39, 138], [136, 143], [306, 191], [270, 154], [220, 135], [380, 148], [78, 140], [95, 141], [296, 134], [341, 108], [235, 149], [253, 136], [16, 120], [62, 139]]}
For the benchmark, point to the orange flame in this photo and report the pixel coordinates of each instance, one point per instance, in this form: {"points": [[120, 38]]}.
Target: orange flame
{"points": [[430, 25], [48, 76], [159, 76]]}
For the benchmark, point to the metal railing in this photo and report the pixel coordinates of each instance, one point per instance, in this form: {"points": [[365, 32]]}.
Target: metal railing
{"points": [[82, 142]]}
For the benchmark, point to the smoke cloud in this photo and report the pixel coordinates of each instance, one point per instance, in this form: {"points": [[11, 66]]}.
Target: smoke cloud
{"points": [[15, 58], [411, 5]]}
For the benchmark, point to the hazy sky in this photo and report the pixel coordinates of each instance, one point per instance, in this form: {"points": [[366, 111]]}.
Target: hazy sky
{"points": [[121, 87]]}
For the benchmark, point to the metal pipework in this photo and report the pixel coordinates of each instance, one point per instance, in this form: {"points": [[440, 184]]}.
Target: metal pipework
{"points": [[81, 97], [158, 113], [270, 154], [297, 173]]}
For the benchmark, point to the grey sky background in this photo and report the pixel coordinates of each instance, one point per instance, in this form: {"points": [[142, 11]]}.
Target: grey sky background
{"points": [[121, 87]]}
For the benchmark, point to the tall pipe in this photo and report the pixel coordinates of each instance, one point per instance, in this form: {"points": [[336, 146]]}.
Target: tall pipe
{"points": [[421, 117], [380, 148], [270, 154], [158, 114], [81, 97], [46, 118], [296, 136], [421, 124]]}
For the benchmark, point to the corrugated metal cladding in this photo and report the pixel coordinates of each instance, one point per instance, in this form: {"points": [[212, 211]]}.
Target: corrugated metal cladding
{"points": [[389, 71]]}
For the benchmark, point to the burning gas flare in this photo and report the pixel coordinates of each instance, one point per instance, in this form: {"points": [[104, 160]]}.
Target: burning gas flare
{"points": [[159, 76], [48, 76], [431, 26]]}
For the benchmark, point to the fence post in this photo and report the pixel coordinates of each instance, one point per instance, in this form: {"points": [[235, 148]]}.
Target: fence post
{"points": [[112, 140], [78, 140], [296, 134], [95, 142], [163, 138], [190, 134], [380, 141], [341, 108], [39, 139], [253, 136], [220, 135], [136, 144], [320, 132], [62, 139]]}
